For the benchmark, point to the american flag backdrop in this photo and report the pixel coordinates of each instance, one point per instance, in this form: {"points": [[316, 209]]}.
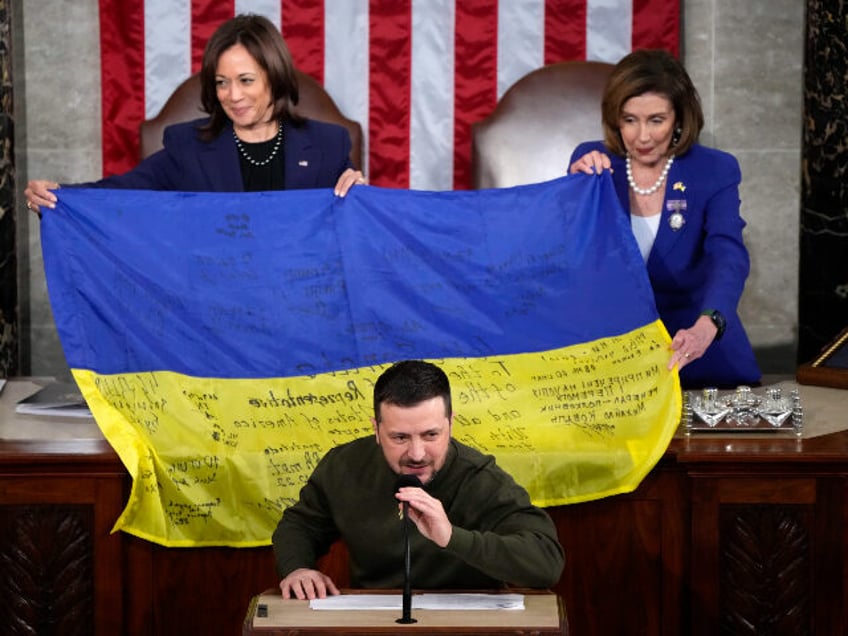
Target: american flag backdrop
{"points": [[414, 73]]}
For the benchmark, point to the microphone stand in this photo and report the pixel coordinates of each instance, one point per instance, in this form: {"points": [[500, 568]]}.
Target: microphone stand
{"points": [[406, 618], [406, 481]]}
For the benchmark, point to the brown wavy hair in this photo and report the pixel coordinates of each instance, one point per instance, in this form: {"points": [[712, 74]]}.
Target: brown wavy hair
{"points": [[652, 71], [263, 41]]}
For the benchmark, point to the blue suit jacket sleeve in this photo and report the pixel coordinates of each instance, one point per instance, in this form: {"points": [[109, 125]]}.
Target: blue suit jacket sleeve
{"points": [[316, 154]]}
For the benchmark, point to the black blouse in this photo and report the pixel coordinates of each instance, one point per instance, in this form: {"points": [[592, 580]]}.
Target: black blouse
{"points": [[272, 175]]}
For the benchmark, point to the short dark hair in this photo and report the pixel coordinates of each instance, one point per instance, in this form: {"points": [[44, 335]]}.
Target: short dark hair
{"points": [[651, 71], [265, 44], [411, 382]]}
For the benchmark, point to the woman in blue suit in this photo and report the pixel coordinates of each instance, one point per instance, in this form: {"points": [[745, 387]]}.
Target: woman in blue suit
{"points": [[252, 140], [683, 202]]}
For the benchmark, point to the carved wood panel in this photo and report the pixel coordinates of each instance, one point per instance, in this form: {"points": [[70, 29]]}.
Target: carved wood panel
{"points": [[765, 565], [61, 568], [47, 561], [9, 306]]}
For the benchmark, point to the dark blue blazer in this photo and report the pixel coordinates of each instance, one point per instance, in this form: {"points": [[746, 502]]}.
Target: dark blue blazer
{"points": [[703, 264], [316, 154]]}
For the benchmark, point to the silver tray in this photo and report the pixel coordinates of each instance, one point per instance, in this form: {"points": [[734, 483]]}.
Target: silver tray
{"points": [[742, 411]]}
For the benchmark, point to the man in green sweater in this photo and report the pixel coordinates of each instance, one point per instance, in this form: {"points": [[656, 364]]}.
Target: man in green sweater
{"points": [[476, 527]]}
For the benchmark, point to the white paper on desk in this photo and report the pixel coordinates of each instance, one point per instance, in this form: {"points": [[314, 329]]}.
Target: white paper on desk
{"points": [[54, 411], [468, 601], [462, 601]]}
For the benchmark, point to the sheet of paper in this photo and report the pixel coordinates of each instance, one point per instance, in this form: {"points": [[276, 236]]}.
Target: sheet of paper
{"points": [[460, 601], [54, 411], [358, 602]]}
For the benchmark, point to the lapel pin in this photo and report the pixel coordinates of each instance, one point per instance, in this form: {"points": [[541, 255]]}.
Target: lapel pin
{"points": [[679, 186], [303, 163], [676, 207]]}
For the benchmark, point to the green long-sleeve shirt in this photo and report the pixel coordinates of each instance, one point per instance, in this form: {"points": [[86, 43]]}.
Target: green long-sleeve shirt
{"points": [[498, 536]]}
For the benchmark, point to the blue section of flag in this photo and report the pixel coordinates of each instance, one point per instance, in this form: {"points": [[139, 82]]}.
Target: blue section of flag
{"points": [[293, 283]]}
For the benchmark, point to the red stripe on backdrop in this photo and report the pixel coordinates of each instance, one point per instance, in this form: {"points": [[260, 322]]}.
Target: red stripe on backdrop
{"points": [[389, 67], [656, 25], [303, 30], [565, 30], [121, 82], [475, 78], [206, 16]]}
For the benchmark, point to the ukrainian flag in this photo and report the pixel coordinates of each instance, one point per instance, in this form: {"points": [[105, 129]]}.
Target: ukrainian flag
{"points": [[224, 342]]}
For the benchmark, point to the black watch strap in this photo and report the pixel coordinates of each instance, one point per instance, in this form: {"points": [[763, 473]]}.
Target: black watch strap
{"points": [[718, 320]]}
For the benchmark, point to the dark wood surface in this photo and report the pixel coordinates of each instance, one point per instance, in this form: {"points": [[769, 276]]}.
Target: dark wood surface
{"points": [[828, 368], [728, 534], [823, 376]]}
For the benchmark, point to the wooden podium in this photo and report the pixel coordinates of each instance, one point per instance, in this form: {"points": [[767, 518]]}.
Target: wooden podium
{"points": [[543, 613], [723, 525]]}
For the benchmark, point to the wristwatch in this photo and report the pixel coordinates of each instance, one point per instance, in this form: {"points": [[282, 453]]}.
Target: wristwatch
{"points": [[718, 320]]}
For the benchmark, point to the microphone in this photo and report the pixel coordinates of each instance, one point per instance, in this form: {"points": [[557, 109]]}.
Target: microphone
{"points": [[404, 481]]}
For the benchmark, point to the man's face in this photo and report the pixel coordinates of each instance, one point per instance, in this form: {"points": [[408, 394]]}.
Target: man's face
{"points": [[414, 439]]}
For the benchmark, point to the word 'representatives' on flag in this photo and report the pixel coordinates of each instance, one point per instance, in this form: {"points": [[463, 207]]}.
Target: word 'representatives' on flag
{"points": [[414, 74], [225, 342]]}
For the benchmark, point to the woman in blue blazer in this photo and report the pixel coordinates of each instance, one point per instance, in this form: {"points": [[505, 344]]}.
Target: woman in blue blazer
{"points": [[252, 139], [683, 201]]}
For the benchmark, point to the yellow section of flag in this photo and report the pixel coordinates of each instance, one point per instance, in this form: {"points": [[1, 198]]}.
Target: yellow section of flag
{"points": [[215, 461]]}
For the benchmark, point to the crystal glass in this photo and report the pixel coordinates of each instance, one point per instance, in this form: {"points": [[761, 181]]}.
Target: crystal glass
{"points": [[775, 408], [743, 407], [709, 408]]}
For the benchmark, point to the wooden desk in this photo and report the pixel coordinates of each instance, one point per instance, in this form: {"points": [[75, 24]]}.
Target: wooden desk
{"points": [[543, 614], [727, 531]]}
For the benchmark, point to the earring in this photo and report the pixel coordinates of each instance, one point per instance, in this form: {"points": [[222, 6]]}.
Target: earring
{"points": [[675, 137]]}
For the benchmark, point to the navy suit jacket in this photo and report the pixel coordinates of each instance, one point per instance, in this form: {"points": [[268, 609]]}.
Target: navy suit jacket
{"points": [[703, 264], [316, 154]]}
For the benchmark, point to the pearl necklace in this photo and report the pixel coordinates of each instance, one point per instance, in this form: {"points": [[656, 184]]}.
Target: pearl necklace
{"points": [[657, 184], [273, 154]]}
